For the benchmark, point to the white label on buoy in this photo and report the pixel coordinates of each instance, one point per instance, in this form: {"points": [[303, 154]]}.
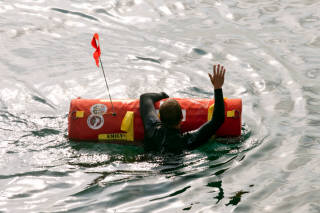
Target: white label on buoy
{"points": [[98, 109], [184, 115], [95, 121]]}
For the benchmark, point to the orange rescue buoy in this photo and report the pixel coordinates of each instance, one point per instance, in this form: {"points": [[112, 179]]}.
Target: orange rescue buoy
{"points": [[92, 119]]}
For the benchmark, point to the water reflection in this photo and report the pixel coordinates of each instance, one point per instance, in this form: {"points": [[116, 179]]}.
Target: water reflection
{"points": [[236, 198], [217, 185]]}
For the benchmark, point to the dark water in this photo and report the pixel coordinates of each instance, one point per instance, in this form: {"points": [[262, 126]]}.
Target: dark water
{"points": [[270, 49]]}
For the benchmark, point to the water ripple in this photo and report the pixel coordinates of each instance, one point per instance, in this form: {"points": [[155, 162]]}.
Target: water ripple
{"points": [[75, 13]]}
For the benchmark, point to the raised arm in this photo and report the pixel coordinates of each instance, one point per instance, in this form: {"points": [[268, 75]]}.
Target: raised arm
{"points": [[204, 133]]}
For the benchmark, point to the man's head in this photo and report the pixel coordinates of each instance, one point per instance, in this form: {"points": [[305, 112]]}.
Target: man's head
{"points": [[170, 113]]}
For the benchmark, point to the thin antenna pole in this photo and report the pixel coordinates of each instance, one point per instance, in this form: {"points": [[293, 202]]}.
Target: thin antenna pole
{"points": [[105, 80]]}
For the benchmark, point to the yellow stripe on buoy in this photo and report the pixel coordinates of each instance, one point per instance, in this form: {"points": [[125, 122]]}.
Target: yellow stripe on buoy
{"points": [[231, 114], [112, 136], [79, 114], [127, 125], [210, 112]]}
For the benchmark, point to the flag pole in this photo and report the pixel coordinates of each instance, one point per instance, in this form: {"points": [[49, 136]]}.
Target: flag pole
{"points": [[105, 80], [96, 55]]}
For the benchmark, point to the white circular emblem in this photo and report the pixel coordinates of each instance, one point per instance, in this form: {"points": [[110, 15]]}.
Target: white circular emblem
{"points": [[95, 121], [98, 109]]}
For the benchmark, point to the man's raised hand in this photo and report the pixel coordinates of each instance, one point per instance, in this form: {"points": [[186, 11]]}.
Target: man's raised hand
{"points": [[217, 77]]}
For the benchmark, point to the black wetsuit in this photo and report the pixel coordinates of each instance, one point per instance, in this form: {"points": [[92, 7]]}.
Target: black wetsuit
{"points": [[160, 138]]}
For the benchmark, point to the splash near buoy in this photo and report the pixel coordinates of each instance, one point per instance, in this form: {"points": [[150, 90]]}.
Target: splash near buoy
{"points": [[98, 120]]}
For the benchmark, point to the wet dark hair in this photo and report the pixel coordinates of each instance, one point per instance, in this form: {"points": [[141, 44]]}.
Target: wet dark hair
{"points": [[170, 112]]}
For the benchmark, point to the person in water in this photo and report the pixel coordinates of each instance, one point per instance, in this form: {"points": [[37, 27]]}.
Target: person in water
{"points": [[163, 135]]}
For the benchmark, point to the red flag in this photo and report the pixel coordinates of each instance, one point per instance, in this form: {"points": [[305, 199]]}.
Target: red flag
{"points": [[94, 44]]}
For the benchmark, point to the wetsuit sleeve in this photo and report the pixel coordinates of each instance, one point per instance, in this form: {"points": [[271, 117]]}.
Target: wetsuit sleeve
{"points": [[205, 132], [148, 112]]}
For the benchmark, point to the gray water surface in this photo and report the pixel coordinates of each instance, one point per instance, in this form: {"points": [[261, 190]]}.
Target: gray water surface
{"points": [[271, 52]]}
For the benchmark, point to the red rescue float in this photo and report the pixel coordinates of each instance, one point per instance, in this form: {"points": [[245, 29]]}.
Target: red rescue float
{"points": [[92, 119]]}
